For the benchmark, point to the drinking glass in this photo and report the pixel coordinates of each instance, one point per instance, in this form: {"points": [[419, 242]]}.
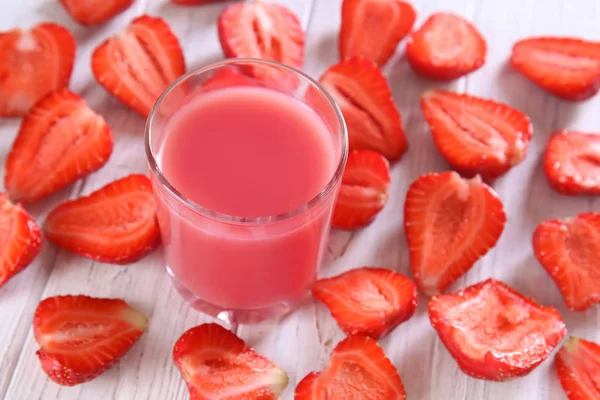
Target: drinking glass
{"points": [[242, 269]]}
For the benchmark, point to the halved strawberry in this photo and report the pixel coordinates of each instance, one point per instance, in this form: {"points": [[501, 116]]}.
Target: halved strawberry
{"points": [[494, 332], [92, 12], [364, 190], [33, 63], [578, 368], [569, 250], [368, 301], [450, 223], [20, 239], [373, 28], [60, 141], [137, 65], [446, 47], [358, 369], [475, 135], [262, 30], [216, 364], [80, 337], [364, 97], [572, 162], [115, 224], [566, 67]]}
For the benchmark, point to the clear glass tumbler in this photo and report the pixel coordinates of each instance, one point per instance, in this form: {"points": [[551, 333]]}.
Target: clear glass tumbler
{"points": [[243, 269]]}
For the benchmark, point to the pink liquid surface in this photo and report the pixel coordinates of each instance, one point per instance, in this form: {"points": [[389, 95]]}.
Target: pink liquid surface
{"points": [[247, 152]]}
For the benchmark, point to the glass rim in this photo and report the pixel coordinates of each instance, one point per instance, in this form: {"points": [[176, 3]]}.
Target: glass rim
{"points": [[223, 217]]}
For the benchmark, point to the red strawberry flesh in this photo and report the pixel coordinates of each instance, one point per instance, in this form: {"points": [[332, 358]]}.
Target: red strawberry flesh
{"points": [[578, 368]]}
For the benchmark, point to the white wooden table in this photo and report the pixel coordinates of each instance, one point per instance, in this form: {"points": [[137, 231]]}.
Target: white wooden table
{"points": [[302, 341]]}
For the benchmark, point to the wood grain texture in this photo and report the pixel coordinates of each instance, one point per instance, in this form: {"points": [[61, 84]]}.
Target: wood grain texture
{"points": [[302, 341]]}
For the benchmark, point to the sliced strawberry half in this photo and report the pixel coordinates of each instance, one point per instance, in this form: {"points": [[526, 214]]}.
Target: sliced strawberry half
{"points": [[20, 239], [137, 65], [216, 364], [60, 141], [80, 337], [569, 250], [364, 190], [475, 135], [364, 97], [115, 224], [262, 30], [578, 368], [33, 63], [450, 223], [368, 301], [92, 12], [494, 332], [572, 162], [446, 47], [566, 67], [357, 367], [373, 28]]}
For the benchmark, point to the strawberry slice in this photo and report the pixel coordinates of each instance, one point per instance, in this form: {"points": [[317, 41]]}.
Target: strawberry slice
{"points": [[368, 301], [364, 97], [60, 141], [137, 65], [80, 337], [446, 47], [358, 368], [450, 223], [566, 67], [578, 367], [494, 332], [569, 250], [364, 190], [373, 28], [572, 162], [20, 239], [115, 224], [262, 30], [216, 364], [33, 63], [92, 12], [475, 135]]}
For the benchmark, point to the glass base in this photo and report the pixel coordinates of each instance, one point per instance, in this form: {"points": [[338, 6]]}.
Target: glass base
{"points": [[234, 316]]}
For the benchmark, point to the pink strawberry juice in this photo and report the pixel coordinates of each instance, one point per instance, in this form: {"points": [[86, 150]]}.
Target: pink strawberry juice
{"points": [[250, 153]]}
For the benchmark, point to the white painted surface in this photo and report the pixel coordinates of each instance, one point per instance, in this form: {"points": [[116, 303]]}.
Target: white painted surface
{"points": [[302, 341]]}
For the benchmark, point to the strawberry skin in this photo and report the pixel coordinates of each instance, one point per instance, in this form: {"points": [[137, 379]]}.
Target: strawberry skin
{"points": [[365, 99], [217, 365], [364, 190], [263, 30], [33, 63], [115, 224], [494, 332], [368, 301], [357, 365], [565, 67], [578, 368], [137, 65], [475, 135], [92, 12], [450, 222], [60, 141], [20, 239], [572, 162], [373, 29], [569, 250], [446, 47], [80, 337]]}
